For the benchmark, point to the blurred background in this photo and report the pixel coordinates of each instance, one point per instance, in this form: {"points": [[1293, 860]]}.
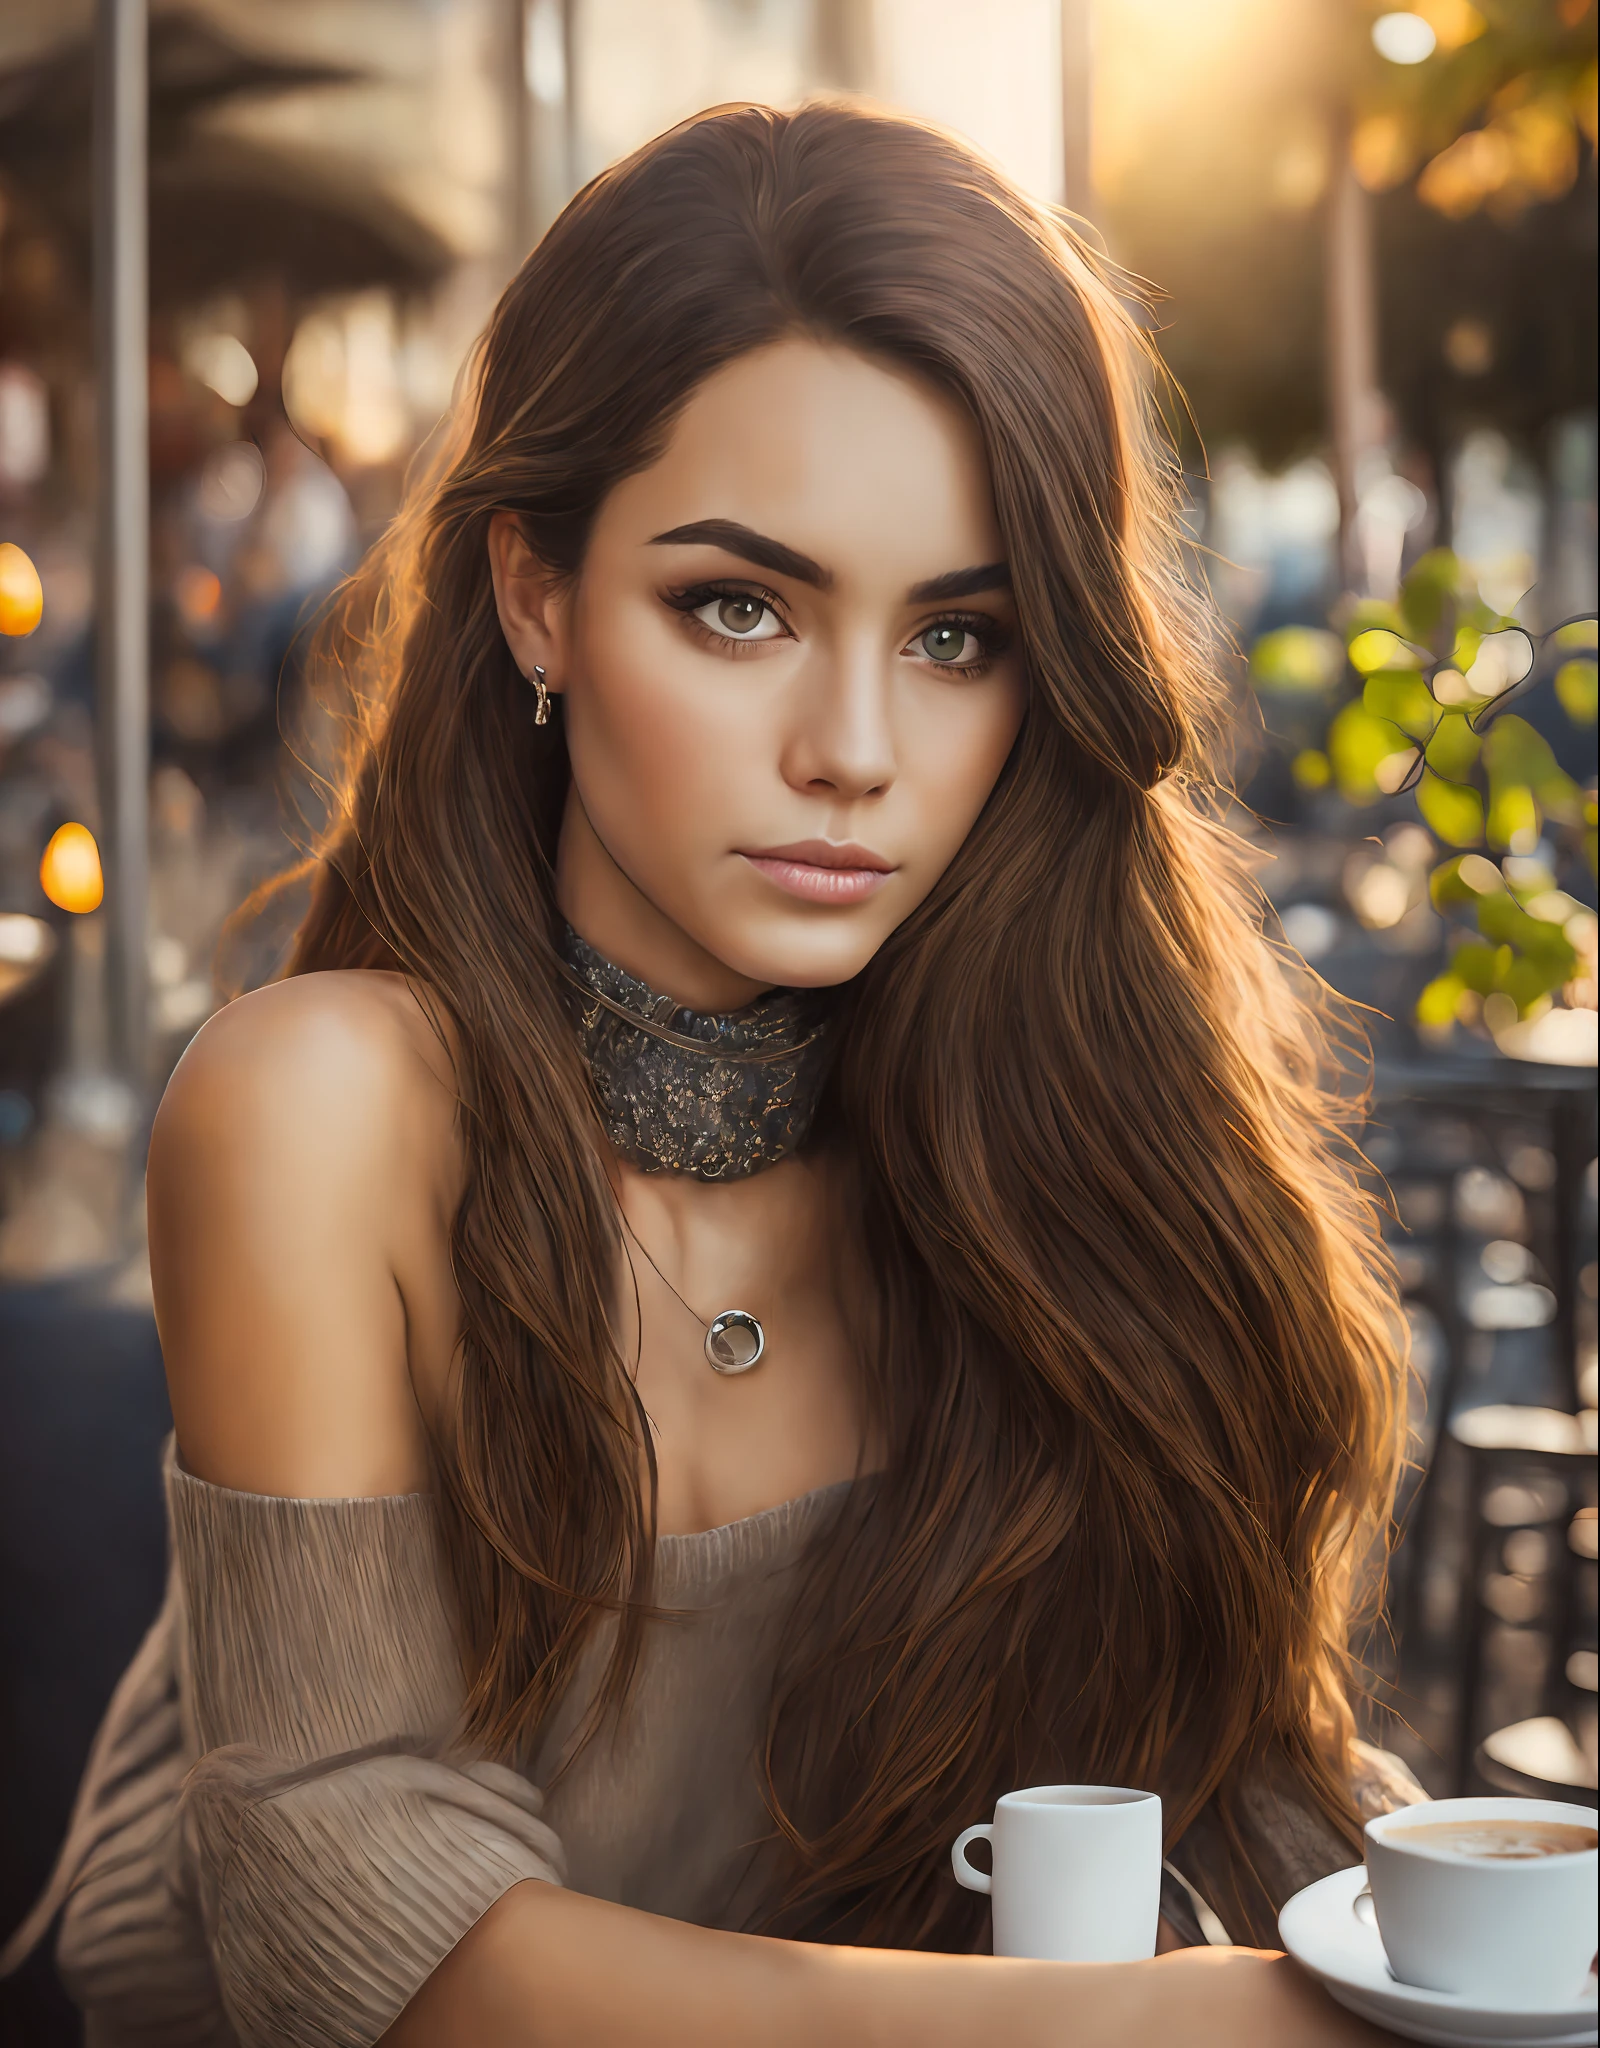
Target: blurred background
{"points": [[244, 250]]}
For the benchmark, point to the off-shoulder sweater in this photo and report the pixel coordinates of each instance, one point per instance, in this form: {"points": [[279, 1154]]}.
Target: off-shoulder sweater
{"points": [[276, 1839]]}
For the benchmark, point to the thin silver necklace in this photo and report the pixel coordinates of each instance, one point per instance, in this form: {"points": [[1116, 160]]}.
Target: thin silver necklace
{"points": [[735, 1341]]}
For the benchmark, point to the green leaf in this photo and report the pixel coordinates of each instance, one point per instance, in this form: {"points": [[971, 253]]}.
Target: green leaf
{"points": [[1298, 658], [1447, 888], [1372, 615], [1378, 648], [1478, 967], [1526, 980], [1401, 696], [1433, 580], [1439, 1001], [1357, 743], [1454, 749], [1553, 952], [1524, 779], [1499, 918], [1453, 809], [1578, 688], [1516, 954], [1512, 748], [1513, 820], [1503, 920]]}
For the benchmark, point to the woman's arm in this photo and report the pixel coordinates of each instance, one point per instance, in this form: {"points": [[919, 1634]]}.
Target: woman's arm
{"points": [[547, 1968]]}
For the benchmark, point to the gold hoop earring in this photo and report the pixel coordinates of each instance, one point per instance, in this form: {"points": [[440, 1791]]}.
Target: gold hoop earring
{"points": [[541, 714]]}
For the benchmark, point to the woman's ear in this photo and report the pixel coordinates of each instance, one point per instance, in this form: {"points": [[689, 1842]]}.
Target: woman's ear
{"points": [[530, 600]]}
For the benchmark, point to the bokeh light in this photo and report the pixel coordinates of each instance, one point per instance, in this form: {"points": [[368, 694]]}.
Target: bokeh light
{"points": [[222, 363], [24, 425], [1469, 346], [342, 381], [69, 873], [197, 592], [21, 592], [231, 482], [1380, 896], [1404, 38]]}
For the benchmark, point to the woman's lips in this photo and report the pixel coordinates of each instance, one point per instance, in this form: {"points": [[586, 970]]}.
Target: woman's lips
{"points": [[818, 871]]}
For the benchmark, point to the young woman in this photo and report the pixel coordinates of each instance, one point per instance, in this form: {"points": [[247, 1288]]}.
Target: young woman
{"points": [[775, 1267]]}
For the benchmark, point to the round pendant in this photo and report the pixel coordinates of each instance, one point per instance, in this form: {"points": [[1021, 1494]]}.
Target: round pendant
{"points": [[734, 1342]]}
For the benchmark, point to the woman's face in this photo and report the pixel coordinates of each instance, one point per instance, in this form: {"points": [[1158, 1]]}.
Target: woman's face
{"points": [[791, 675]]}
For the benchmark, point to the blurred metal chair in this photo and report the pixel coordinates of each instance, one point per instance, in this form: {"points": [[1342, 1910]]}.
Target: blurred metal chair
{"points": [[1527, 1466], [1501, 1481], [1554, 1755]]}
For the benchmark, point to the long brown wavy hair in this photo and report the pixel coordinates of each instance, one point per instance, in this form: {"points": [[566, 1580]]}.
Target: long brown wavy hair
{"points": [[1134, 1360]]}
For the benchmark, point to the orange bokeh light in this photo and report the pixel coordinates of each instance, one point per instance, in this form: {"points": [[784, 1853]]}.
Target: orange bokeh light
{"points": [[21, 592], [198, 592], [70, 873]]}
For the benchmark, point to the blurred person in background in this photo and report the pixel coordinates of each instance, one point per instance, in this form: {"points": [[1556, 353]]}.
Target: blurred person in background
{"points": [[259, 535], [778, 869]]}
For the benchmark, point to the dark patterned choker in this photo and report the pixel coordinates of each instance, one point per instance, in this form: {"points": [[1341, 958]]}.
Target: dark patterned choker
{"points": [[682, 1092]]}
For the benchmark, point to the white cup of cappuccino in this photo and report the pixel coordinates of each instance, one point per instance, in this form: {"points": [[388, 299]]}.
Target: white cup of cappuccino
{"points": [[1077, 1873], [1492, 1899]]}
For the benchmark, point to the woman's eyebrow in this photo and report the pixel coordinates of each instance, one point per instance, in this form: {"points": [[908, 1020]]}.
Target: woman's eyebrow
{"points": [[962, 583], [766, 553], [749, 546]]}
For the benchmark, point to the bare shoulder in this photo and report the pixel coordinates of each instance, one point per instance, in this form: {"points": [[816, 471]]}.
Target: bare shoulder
{"points": [[303, 1167], [350, 1045]]}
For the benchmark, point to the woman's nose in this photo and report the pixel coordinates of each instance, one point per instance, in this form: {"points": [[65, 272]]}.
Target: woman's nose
{"points": [[842, 742]]}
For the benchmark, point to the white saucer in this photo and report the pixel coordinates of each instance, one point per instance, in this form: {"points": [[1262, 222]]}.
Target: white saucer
{"points": [[1320, 1930]]}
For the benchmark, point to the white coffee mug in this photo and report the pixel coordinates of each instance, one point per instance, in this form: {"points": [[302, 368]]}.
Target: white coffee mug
{"points": [[1513, 1933], [1077, 1873]]}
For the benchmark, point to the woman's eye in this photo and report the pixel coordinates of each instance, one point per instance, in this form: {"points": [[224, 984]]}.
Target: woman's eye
{"points": [[739, 617], [951, 645]]}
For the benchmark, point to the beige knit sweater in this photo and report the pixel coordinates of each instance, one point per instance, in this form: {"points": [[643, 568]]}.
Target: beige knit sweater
{"points": [[274, 1842]]}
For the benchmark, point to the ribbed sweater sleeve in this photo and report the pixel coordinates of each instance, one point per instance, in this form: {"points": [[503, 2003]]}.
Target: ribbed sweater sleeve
{"points": [[340, 1847], [131, 1943]]}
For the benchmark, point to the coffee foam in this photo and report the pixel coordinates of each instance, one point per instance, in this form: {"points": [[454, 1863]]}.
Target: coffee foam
{"points": [[1497, 1841]]}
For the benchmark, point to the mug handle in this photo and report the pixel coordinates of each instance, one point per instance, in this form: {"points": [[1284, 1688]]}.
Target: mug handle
{"points": [[975, 1880], [1363, 1908]]}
